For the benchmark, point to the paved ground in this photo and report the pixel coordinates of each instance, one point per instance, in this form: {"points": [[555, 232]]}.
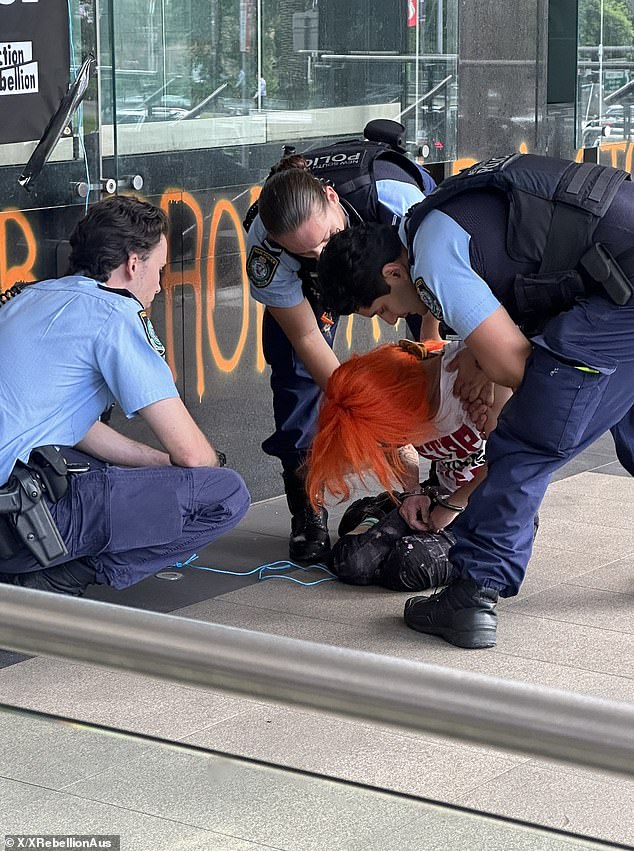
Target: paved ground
{"points": [[572, 627]]}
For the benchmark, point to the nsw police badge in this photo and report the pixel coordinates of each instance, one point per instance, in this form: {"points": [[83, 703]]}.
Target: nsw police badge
{"points": [[150, 333], [261, 267], [428, 298]]}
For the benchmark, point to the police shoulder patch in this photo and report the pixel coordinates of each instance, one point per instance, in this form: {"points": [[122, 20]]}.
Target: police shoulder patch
{"points": [[428, 298], [261, 266], [151, 334]]}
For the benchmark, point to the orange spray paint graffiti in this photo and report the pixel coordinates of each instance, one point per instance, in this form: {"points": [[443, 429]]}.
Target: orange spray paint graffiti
{"points": [[226, 364], [18, 257], [205, 287], [173, 278], [23, 270]]}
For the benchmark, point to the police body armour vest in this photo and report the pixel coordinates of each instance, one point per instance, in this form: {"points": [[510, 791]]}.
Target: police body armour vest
{"points": [[350, 166], [554, 208], [554, 205]]}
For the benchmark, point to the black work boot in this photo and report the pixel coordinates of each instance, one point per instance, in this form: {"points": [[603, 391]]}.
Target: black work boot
{"points": [[309, 541], [71, 577], [463, 614]]}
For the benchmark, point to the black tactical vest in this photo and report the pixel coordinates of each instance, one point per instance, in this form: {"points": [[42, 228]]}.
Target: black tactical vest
{"points": [[554, 208], [350, 167]]}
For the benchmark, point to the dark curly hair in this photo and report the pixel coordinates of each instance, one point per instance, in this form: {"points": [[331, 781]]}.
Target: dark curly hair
{"points": [[349, 268], [110, 231], [290, 196]]}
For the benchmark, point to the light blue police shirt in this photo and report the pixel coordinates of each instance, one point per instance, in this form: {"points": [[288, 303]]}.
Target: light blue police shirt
{"points": [[442, 273], [276, 282], [68, 349]]}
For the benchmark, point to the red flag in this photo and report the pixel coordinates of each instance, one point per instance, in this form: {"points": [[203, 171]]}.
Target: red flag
{"points": [[412, 9]]}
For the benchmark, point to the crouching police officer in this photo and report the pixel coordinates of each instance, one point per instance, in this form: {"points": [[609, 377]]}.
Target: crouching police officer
{"points": [[304, 201], [516, 247], [71, 347]]}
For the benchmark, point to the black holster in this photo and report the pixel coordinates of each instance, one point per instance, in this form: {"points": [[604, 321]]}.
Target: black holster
{"points": [[25, 518], [599, 264], [540, 296]]}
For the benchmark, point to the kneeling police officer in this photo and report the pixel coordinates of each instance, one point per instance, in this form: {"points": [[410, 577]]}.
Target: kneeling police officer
{"points": [[71, 348], [531, 261]]}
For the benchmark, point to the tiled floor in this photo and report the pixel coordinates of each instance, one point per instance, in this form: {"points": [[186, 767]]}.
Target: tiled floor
{"points": [[571, 627]]}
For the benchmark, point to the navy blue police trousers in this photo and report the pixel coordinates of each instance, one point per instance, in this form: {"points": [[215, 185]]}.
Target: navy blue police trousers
{"points": [[558, 410], [295, 394], [135, 521]]}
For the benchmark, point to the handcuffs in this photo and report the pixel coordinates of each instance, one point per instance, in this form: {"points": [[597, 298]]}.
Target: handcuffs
{"points": [[436, 499]]}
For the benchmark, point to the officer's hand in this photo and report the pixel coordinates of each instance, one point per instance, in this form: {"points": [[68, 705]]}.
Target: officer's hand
{"points": [[478, 412], [415, 512], [471, 384]]}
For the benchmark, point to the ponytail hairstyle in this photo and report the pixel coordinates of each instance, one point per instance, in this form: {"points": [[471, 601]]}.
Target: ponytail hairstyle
{"points": [[373, 404], [290, 196]]}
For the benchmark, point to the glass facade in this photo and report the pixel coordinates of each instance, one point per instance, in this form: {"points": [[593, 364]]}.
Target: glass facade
{"points": [[190, 104], [216, 73], [605, 96]]}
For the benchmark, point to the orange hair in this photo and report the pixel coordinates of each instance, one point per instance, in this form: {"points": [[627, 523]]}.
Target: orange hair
{"points": [[373, 404]]}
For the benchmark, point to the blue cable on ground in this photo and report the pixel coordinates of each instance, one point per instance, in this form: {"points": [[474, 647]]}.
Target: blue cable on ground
{"points": [[261, 570]]}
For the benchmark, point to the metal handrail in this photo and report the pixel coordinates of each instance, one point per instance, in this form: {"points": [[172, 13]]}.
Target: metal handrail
{"points": [[426, 96], [427, 698], [386, 57]]}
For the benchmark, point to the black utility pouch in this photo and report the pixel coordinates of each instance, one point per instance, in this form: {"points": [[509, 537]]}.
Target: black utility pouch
{"points": [[50, 465], [538, 297], [601, 266]]}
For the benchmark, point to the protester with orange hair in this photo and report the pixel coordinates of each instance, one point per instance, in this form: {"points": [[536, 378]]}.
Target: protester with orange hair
{"points": [[373, 405]]}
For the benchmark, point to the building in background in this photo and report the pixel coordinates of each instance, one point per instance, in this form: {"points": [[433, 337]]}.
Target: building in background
{"points": [[177, 112]]}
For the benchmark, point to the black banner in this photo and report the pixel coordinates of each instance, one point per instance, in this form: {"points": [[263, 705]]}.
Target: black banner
{"points": [[34, 65]]}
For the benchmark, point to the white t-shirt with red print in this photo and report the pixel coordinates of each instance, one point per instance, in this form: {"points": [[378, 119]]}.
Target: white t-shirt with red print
{"points": [[458, 450]]}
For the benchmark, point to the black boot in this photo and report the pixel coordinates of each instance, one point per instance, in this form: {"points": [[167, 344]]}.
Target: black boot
{"points": [[309, 541], [71, 578], [463, 614]]}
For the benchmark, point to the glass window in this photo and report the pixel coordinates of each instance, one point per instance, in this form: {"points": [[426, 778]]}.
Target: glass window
{"points": [[605, 91], [214, 73]]}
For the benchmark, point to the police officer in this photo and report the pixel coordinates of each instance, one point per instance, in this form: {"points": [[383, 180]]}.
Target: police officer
{"points": [[73, 346], [303, 203], [522, 242]]}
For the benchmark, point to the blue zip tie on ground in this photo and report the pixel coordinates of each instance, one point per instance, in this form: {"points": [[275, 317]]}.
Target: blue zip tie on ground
{"points": [[261, 570]]}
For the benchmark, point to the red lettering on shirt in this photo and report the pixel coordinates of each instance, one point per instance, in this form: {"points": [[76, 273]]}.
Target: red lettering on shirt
{"points": [[468, 439], [461, 443]]}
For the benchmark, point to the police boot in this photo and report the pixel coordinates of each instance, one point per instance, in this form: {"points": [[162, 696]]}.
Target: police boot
{"points": [[71, 578], [463, 614], [309, 541]]}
